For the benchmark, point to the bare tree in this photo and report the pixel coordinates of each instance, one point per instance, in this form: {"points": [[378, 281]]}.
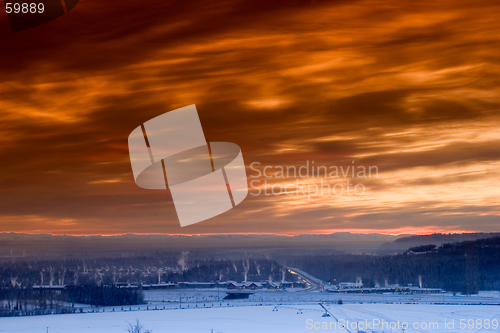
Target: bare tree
{"points": [[137, 328]]}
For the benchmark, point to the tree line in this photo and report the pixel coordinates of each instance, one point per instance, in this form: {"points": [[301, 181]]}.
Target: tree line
{"points": [[465, 267]]}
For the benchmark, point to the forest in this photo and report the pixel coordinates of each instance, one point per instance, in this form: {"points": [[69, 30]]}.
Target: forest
{"points": [[465, 267], [160, 268], [35, 286]]}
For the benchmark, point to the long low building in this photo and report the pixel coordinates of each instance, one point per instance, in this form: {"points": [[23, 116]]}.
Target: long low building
{"points": [[409, 290]]}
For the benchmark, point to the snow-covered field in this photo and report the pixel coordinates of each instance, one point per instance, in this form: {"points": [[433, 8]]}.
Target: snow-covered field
{"points": [[210, 296], [289, 318]]}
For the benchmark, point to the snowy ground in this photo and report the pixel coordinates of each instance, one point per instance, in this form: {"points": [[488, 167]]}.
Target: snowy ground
{"points": [[199, 310], [287, 318], [213, 297]]}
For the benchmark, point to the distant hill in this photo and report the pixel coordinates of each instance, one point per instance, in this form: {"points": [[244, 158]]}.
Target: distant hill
{"points": [[402, 244], [45, 245], [465, 267], [16, 245]]}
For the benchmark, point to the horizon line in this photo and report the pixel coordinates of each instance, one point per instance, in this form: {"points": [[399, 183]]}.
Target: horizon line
{"points": [[360, 232]]}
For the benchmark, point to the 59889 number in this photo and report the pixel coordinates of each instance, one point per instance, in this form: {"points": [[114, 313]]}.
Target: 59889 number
{"points": [[24, 8]]}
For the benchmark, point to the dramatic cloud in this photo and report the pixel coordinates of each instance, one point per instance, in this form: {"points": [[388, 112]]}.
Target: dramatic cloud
{"points": [[411, 88]]}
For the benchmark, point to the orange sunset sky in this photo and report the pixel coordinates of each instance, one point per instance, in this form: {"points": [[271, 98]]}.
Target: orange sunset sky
{"points": [[412, 87]]}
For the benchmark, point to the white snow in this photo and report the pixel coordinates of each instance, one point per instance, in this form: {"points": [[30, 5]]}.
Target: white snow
{"points": [[288, 318]]}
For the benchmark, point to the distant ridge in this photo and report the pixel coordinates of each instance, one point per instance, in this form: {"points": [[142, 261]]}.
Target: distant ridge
{"points": [[402, 244], [46, 245], [16, 244]]}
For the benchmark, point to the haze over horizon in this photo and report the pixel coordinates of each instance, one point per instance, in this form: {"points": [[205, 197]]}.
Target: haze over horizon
{"points": [[245, 234], [411, 88]]}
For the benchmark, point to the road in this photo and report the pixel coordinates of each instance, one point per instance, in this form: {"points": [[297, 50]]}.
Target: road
{"points": [[311, 282]]}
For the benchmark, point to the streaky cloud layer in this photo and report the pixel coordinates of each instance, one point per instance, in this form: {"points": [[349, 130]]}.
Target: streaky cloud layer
{"points": [[412, 88]]}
